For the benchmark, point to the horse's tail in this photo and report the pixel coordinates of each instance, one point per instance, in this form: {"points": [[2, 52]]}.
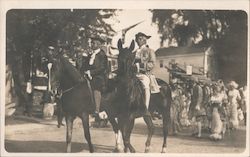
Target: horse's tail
{"points": [[166, 92]]}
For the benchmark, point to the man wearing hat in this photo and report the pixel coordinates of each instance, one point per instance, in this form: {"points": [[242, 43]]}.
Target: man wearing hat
{"points": [[95, 69], [145, 61], [196, 108]]}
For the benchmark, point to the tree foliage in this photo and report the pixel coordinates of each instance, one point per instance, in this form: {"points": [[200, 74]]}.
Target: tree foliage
{"points": [[29, 32], [225, 29], [32, 31], [181, 25]]}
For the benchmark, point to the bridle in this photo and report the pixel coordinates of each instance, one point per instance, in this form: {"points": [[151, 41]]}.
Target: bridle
{"points": [[71, 88], [59, 94]]}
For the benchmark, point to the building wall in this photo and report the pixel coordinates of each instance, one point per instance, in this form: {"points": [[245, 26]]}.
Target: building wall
{"points": [[161, 72], [212, 67]]}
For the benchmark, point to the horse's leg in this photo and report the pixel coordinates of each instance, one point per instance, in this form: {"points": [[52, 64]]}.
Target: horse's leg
{"points": [[69, 123], [150, 125], [117, 134], [129, 132], [165, 131], [60, 114], [126, 125], [166, 107], [85, 123], [119, 141], [126, 132], [123, 124]]}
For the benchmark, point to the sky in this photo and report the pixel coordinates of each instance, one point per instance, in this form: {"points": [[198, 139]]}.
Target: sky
{"points": [[130, 17]]}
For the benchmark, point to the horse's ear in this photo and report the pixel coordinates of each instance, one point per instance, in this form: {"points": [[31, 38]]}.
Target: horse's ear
{"points": [[119, 44], [132, 46]]}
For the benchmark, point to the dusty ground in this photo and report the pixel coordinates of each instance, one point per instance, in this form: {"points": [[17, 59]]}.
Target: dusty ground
{"points": [[36, 135]]}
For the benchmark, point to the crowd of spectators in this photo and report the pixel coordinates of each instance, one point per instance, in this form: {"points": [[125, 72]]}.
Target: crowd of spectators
{"points": [[207, 105]]}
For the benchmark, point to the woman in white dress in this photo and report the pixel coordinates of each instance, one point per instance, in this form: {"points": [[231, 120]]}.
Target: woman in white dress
{"points": [[233, 98], [218, 98]]}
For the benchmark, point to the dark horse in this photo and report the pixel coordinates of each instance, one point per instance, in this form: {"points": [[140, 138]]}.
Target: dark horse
{"points": [[75, 98], [128, 102]]}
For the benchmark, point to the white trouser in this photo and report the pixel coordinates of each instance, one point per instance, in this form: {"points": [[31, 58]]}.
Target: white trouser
{"points": [[145, 81]]}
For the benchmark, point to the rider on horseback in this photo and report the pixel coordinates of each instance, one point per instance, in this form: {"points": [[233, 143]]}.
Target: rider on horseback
{"points": [[95, 70], [145, 62]]}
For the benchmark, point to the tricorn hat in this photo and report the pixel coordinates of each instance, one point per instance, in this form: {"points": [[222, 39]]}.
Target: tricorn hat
{"points": [[142, 34]]}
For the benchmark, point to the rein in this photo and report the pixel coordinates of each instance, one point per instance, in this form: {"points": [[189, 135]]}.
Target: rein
{"points": [[69, 89]]}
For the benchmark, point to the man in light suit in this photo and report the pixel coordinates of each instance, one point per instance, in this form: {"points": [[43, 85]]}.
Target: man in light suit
{"points": [[145, 61], [197, 109]]}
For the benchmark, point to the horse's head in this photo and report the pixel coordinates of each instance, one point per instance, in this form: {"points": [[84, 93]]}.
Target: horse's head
{"points": [[55, 72], [126, 59]]}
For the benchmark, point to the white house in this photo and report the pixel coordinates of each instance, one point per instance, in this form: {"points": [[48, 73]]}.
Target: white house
{"points": [[197, 59]]}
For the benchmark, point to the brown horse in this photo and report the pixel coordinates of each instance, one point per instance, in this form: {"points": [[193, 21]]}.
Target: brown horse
{"points": [[128, 101], [75, 96]]}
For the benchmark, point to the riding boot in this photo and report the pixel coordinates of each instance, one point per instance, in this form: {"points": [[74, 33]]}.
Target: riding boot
{"points": [[97, 97]]}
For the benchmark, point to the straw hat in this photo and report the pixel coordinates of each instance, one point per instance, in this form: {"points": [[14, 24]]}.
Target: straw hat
{"points": [[233, 84]]}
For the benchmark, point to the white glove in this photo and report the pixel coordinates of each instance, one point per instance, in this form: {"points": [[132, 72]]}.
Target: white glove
{"points": [[88, 74], [29, 87], [137, 67]]}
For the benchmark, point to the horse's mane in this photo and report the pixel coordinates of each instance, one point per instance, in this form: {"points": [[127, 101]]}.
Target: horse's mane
{"points": [[70, 70], [133, 87], [136, 94]]}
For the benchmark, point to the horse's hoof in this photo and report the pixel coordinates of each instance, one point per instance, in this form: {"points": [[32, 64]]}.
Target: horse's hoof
{"points": [[68, 151], [164, 150], [117, 150], [59, 125], [125, 150], [147, 149]]}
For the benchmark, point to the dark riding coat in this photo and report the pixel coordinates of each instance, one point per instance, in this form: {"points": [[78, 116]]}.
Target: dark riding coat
{"points": [[98, 70]]}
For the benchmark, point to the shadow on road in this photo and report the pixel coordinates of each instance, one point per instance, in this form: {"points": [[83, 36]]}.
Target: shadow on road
{"points": [[232, 139], [13, 146]]}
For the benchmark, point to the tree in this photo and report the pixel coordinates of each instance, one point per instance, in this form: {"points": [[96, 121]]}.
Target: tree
{"points": [[182, 25], [225, 29], [30, 32], [232, 49]]}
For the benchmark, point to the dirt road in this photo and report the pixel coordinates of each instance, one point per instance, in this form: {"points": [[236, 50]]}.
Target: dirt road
{"points": [[34, 135]]}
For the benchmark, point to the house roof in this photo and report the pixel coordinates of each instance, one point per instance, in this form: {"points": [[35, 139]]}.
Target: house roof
{"points": [[170, 51]]}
